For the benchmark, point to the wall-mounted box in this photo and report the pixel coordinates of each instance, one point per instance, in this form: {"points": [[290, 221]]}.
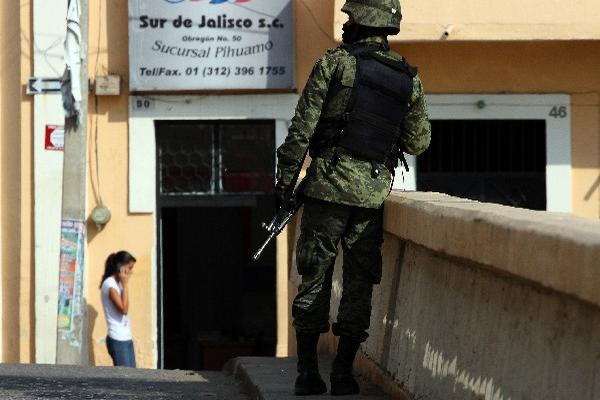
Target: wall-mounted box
{"points": [[108, 85]]}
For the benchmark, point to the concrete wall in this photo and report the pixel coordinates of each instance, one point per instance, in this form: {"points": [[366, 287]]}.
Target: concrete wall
{"points": [[480, 301]]}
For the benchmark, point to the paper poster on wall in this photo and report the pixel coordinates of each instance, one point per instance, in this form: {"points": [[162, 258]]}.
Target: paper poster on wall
{"points": [[210, 44], [70, 273]]}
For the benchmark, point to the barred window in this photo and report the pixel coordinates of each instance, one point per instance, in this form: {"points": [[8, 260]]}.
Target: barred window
{"points": [[498, 161], [215, 157]]}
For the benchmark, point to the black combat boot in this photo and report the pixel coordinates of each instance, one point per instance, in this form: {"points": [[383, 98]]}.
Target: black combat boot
{"points": [[342, 381], [309, 381]]}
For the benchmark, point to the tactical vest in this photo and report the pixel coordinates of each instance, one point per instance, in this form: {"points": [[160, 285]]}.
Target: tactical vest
{"points": [[371, 124]]}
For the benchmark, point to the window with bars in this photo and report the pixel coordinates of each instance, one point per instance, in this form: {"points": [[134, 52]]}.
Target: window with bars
{"points": [[215, 157], [498, 161]]}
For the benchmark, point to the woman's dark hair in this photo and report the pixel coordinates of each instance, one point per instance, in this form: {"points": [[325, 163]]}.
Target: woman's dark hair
{"points": [[114, 262]]}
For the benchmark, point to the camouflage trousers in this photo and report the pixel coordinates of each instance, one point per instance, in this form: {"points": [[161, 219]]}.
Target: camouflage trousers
{"points": [[360, 231]]}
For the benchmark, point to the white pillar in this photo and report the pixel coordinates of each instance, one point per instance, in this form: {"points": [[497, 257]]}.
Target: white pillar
{"points": [[49, 34]]}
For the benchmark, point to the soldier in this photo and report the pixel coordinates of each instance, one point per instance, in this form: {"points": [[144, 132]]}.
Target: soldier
{"points": [[362, 106]]}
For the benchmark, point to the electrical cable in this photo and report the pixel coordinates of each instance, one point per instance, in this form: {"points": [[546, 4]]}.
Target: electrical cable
{"points": [[321, 29], [44, 53], [97, 192]]}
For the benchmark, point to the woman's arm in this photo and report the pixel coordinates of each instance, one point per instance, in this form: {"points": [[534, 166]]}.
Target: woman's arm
{"points": [[121, 302]]}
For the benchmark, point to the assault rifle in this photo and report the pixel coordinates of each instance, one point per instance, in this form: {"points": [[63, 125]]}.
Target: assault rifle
{"points": [[292, 201]]}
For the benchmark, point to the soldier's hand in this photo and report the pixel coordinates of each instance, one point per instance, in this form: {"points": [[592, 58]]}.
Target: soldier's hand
{"points": [[280, 190]]}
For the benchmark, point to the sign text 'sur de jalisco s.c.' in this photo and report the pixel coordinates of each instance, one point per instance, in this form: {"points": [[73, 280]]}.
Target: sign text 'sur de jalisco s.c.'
{"points": [[210, 44]]}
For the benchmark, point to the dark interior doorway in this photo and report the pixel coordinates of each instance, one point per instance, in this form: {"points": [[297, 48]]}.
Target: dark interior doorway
{"points": [[497, 161], [214, 190]]}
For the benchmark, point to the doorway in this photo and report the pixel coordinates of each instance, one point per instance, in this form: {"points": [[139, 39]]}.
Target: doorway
{"points": [[214, 188]]}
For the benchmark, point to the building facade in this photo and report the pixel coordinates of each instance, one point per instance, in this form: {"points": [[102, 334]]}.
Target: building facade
{"points": [[514, 96]]}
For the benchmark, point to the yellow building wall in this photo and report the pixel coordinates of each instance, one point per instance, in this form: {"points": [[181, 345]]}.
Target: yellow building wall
{"points": [[528, 67], [136, 233], [26, 237], [496, 20], [16, 184], [108, 180]]}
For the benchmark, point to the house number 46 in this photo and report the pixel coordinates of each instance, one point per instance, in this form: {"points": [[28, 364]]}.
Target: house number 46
{"points": [[558, 112]]}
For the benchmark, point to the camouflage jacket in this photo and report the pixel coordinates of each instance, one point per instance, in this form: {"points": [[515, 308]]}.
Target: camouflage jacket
{"points": [[345, 180]]}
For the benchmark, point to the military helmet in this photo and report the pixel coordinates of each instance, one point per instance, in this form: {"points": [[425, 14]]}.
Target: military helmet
{"points": [[375, 13]]}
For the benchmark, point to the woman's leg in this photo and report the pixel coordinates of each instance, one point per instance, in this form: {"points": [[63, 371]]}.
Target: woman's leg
{"points": [[131, 355], [111, 350]]}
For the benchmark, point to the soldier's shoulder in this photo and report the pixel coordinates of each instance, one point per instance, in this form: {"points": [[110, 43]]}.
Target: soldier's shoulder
{"points": [[394, 55], [397, 57], [336, 53], [413, 70], [335, 57]]}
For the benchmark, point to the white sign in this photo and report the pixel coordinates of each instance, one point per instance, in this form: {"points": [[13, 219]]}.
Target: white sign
{"points": [[55, 138], [41, 85], [210, 44]]}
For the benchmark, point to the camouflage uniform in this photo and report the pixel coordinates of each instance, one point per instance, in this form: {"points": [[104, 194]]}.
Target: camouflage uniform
{"points": [[344, 201]]}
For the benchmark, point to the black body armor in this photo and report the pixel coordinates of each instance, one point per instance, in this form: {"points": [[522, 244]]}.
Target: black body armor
{"points": [[371, 125]]}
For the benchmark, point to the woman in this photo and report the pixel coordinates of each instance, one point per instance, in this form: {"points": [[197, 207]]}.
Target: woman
{"points": [[115, 302]]}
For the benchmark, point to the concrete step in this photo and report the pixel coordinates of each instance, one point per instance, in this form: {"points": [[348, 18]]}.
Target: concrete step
{"points": [[273, 379]]}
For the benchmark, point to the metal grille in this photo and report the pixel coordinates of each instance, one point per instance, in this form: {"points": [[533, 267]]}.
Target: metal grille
{"points": [[185, 156], [215, 157], [247, 157], [499, 161]]}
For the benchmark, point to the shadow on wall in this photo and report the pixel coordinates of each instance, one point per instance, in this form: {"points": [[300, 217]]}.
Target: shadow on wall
{"points": [[92, 315], [92, 230], [593, 189]]}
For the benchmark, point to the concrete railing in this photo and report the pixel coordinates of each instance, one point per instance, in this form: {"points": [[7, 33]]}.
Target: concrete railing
{"points": [[480, 301]]}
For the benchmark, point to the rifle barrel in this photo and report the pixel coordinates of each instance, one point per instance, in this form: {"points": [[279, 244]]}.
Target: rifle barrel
{"points": [[257, 255]]}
